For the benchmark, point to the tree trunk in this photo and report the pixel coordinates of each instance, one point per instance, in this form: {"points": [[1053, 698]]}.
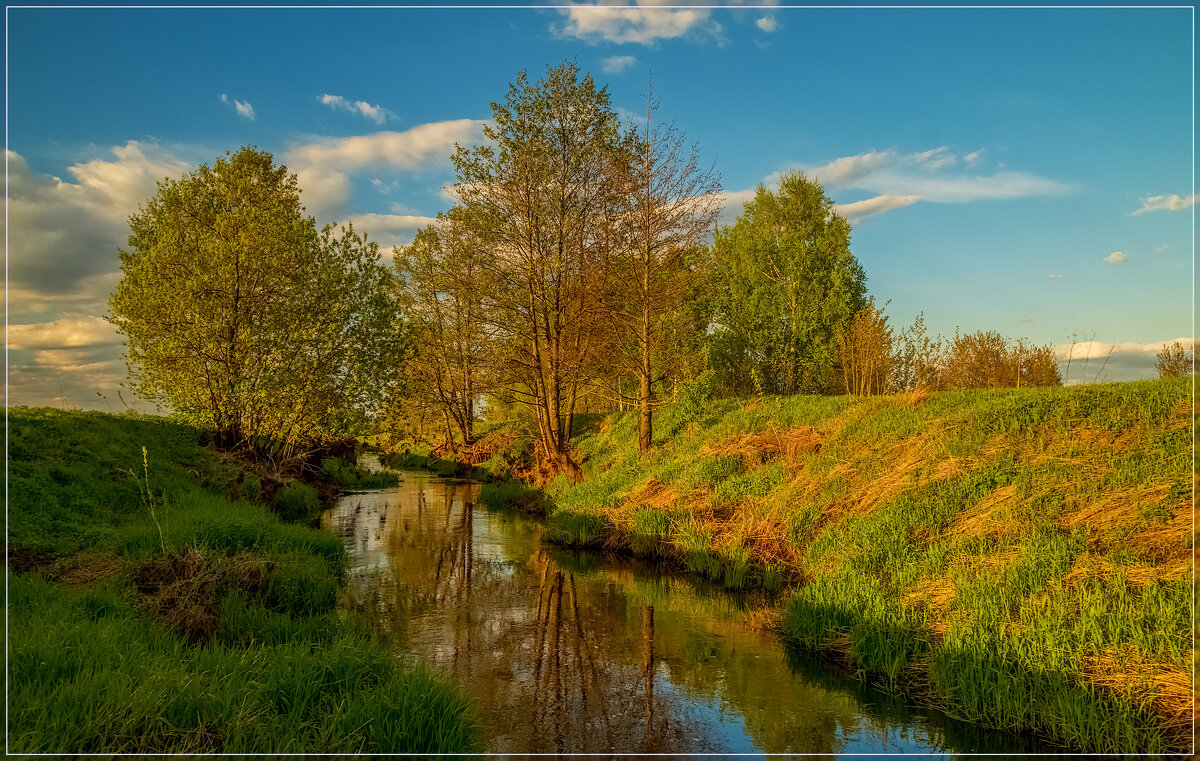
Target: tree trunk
{"points": [[646, 418]]}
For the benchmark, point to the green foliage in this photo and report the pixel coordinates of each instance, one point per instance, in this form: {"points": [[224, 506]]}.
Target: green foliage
{"points": [[350, 476], [788, 284], [651, 527], [576, 529], [242, 316], [297, 503]]}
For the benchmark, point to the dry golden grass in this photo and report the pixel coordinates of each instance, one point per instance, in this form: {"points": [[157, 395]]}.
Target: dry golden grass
{"points": [[653, 494], [1162, 687], [764, 619], [758, 447], [90, 568], [1166, 542], [991, 516], [936, 594], [1114, 511]]}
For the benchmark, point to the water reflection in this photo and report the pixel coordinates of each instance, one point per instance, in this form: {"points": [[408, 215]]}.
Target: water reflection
{"points": [[571, 652]]}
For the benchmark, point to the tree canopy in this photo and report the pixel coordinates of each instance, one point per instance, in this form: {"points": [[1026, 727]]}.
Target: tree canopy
{"points": [[239, 314], [788, 285], [540, 197]]}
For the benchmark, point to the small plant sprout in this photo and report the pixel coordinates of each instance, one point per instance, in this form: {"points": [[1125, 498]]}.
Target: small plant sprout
{"points": [[148, 497]]}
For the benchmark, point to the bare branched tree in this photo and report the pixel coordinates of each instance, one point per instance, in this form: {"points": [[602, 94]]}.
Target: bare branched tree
{"points": [[668, 208]]}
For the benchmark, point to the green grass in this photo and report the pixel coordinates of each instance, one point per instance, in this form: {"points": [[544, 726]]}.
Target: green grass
{"points": [[1020, 557], [348, 476], [229, 641]]}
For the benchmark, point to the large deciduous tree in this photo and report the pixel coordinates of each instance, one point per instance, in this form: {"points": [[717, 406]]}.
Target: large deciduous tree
{"points": [[540, 196], [788, 285], [241, 315], [669, 205]]}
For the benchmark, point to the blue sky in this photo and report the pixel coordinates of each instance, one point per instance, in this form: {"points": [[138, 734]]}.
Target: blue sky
{"points": [[1023, 170]]}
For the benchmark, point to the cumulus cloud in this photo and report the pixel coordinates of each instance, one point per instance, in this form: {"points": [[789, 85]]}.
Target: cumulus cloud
{"points": [[389, 230], [411, 149], [375, 113], [1165, 203], [1115, 256], [1097, 361], [323, 167], [617, 63], [62, 234], [63, 333], [1056, 275], [767, 23], [642, 23]]}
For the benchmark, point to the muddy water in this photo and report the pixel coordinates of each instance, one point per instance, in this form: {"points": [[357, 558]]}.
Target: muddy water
{"points": [[572, 652]]}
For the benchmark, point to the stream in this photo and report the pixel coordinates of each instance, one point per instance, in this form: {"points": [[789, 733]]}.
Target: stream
{"points": [[565, 651]]}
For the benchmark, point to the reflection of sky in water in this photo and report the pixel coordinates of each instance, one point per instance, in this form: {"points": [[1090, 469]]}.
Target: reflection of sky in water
{"points": [[556, 646]]}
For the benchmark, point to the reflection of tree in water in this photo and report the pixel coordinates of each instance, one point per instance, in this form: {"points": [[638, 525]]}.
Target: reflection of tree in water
{"points": [[577, 692], [574, 654]]}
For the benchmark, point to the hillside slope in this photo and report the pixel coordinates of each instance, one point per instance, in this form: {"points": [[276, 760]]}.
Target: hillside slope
{"points": [[1022, 558]]}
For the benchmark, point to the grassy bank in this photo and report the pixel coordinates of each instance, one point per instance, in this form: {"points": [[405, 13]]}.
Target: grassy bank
{"points": [[153, 607], [1021, 558]]}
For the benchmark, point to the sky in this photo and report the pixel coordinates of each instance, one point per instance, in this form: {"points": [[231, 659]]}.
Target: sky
{"points": [[1024, 170]]}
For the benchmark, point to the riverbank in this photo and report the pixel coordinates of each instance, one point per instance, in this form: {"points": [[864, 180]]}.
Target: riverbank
{"points": [[153, 606], [1020, 558]]}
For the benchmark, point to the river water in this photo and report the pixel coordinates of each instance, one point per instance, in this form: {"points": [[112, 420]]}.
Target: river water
{"points": [[564, 651]]}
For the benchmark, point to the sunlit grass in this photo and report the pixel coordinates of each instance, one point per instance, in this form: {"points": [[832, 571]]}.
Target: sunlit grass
{"points": [[1020, 556]]}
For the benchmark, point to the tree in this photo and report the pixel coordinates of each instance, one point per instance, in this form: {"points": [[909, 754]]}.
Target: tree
{"points": [[1173, 360], [865, 351], [789, 284], [540, 197], [242, 316], [984, 359], [440, 298], [669, 205], [918, 360]]}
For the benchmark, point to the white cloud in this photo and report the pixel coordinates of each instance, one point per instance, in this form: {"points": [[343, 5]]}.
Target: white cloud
{"points": [[323, 167], [63, 235], [1115, 256], [1166, 203], [866, 207], [243, 109], [901, 179], [1056, 275], [642, 23], [62, 333], [411, 149], [922, 174], [617, 63], [972, 159], [389, 230], [375, 113], [1096, 361], [767, 23]]}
